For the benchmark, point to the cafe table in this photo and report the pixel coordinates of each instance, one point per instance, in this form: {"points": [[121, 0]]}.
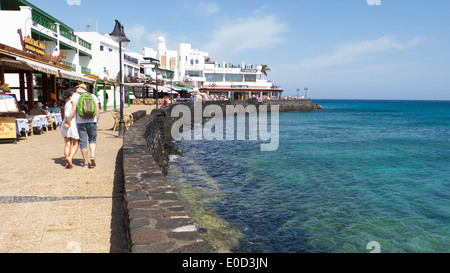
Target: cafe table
{"points": [[39, 121], [57, 119], [22, 125]]}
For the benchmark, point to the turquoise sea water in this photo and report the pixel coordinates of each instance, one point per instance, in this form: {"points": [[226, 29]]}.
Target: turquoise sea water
{"points": [[356, 172]]}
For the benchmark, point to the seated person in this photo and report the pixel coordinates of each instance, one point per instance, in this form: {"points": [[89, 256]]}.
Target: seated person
{"points": [[40, 106], [55, 109]]}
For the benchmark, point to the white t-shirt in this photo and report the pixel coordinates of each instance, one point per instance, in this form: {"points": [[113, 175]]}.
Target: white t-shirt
{"points": [[72, 132], [75, 98]]}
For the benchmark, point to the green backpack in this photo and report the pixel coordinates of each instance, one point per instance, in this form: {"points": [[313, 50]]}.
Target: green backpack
{"points": [[87, 108]]}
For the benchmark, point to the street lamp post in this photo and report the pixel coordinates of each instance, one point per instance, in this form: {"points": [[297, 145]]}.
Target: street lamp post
{"points": [[156, 70], [118, 35], [171, 91]]}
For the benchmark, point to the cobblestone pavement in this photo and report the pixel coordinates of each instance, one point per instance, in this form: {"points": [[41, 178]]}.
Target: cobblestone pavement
{"points": [[45, 208]]}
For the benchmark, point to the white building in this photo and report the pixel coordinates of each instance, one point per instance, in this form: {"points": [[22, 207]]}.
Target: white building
{"points": [[133, 68], [106, 60], [191, 65], [105, 65], [40, 26], [191, 70], [105, 52], [183, 62], [23, 24]]}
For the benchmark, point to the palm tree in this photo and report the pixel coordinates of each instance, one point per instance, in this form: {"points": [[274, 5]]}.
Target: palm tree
{"points": [[265, 69], [208, 60]]}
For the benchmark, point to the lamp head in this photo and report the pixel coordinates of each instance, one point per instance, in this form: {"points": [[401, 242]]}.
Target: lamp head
{"points": [[117, 33], [125, 41]]}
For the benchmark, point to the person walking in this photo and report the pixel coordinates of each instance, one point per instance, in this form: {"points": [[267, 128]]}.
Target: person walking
{"points": [[71, 136], [86, 107]]}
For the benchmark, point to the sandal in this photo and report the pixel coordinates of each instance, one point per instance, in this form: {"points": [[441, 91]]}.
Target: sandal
{"points": [[93, 162]]}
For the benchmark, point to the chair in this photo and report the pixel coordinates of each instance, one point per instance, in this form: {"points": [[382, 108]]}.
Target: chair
{"points": [[130, 120], [37, 112], [116, 120], [30, 123], [50, 124], [127, 118]]}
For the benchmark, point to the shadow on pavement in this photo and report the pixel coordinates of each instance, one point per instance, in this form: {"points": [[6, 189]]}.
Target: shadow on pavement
{"points": [[118, 231]]}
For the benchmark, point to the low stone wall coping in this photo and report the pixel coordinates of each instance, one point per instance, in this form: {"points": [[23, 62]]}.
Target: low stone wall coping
{"points": [[156, 220]]}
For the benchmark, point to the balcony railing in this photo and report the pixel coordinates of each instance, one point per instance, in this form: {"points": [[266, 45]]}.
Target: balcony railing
{"points": [[84, 43], [67, 34], [41, 20], [37, 18], [131, 59], [72, 66], [85, 70]]}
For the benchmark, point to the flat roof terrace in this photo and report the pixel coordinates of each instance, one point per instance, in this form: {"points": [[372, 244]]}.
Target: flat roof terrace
{"points": [[240, 89]]}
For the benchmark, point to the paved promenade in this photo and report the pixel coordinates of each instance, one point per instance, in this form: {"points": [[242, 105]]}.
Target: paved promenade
{"points": [[45, 208]]}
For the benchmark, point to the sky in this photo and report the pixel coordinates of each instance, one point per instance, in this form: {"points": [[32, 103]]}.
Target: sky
{"points": [[338, 49]]}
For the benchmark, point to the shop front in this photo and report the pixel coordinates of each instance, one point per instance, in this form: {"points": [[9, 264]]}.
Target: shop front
{"points": [[243, 93], [33, 78]]}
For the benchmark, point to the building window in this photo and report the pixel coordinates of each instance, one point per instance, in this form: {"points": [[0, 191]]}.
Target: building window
{"points": [[233, 77], [250, 78], [214, 77], [193, 73]]}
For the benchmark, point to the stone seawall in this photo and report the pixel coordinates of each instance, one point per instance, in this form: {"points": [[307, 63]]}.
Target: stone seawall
{"points": [[285, 105], [156, 219]]}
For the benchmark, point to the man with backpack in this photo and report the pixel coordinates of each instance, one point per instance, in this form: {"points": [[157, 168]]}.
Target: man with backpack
{"points": [[87, 108]]}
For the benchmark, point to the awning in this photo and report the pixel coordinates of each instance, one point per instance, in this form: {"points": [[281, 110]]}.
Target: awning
{"points": [[40, 66], [179, 88], [34, 65], [82, 53], [76, 77], [137, 84], [161, 88], [66, 46], [15, 64], [28, 64], [39, 36]]}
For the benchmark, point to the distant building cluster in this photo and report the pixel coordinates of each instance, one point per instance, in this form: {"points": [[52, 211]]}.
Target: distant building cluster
{"points": [[41, 57]]}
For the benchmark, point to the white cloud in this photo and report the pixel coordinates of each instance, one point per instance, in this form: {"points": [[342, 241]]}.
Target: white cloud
{"points": [[135, 34], [74, 2], [208, 8], [140, 37], [356, 70], [245, 34], [260, 9], [353, 52]]}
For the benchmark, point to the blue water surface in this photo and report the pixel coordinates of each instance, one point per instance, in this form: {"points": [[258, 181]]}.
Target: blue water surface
{"points": [[353, 173]]}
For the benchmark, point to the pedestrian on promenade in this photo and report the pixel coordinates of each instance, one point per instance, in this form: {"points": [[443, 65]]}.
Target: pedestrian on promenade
{"points": [[87, 127], [71, 136]]}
